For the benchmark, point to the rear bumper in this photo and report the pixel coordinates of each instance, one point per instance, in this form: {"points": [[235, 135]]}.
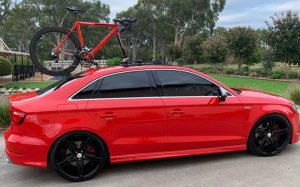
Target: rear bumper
{"points": [[25, 150]]}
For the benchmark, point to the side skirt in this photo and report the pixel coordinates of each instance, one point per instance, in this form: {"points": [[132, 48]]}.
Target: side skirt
{"points": [[172, 154]]}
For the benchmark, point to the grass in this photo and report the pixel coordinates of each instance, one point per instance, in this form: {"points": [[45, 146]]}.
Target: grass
{"points": [[28, 84], [275, 87]]}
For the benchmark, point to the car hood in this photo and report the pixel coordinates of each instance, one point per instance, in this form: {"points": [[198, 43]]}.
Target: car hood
{"points": [[255, 96]]}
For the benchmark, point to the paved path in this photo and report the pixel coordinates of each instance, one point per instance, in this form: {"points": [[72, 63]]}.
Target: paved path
{"points": [[233, 169]]}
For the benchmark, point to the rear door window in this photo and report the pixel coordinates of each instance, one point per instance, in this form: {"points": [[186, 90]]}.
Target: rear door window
{"points": [[125, 85]]}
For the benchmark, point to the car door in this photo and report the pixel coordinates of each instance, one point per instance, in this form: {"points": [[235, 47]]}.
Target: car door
{"points": [[126, 108], [196, 118]]}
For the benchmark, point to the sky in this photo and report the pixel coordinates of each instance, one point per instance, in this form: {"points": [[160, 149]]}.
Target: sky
{"points": [[251, 13], [254, 13], [118, 5]]}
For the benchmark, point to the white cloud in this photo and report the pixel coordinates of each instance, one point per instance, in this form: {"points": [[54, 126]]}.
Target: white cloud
{"points": [[232, 17], [279, 6], [118, 5], [254, 13]]}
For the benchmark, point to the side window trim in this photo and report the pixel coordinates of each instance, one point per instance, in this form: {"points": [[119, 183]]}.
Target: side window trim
{"points": [[152, 76], [162, 92]]}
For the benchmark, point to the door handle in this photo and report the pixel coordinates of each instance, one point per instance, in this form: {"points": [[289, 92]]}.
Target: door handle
{"points": [[108, 115], [176, 112]]}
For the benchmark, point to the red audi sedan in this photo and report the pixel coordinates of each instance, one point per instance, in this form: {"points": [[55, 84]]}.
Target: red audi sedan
{"points": [[123, 114]]}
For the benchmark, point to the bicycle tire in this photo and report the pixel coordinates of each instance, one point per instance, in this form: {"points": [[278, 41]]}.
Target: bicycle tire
{"points": [[34, 56]]}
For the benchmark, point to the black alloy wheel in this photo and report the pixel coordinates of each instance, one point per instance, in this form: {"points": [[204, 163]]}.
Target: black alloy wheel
{"points": [[78, 156], [270, 135]]}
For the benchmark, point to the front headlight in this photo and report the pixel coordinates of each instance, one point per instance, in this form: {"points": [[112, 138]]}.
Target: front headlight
{"points": [[296, 108]]}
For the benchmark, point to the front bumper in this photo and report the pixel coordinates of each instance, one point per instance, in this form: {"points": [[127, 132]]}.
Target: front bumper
{"points": [[25, 150], [295, 129]]}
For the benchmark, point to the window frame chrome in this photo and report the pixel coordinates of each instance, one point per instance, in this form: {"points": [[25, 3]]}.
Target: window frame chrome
{"points": [[111, 74]]}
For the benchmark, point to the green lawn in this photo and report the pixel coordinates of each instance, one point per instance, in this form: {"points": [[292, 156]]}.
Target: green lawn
{"points": [[279, 88], [28, 84]]}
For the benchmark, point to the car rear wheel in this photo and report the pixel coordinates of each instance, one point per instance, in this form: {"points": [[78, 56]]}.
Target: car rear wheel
{"points": [[270, 135], [78, 156]]}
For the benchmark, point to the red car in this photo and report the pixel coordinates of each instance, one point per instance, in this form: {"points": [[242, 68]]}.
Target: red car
{"points": [[124, 114]]}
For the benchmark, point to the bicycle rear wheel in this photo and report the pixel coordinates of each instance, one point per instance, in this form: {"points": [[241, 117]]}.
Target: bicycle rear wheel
{"points": [[50, 61]]}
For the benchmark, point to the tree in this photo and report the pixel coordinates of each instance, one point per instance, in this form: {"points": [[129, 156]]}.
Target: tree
{"points": [[191, 16], [194, 49], [25, 17], [283, 37], [215, 50], [243, 44], [19, 27], [4, 9], [166, 26]]}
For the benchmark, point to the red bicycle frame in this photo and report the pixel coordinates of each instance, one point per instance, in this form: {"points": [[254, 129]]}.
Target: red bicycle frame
{"points": [[114, 32]]}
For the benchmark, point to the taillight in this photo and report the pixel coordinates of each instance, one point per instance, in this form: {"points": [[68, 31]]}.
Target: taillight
{"points": [[17, 117]]}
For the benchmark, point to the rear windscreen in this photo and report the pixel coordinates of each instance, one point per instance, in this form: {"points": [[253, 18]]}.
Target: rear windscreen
{"points": [[60, 83]]}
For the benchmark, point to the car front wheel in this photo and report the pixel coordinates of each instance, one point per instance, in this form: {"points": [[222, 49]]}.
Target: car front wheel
{"points": [[270, 135]]}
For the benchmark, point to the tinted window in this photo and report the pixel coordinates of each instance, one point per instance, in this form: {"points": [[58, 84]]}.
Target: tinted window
{"points": [[131, 84], [87, 92], [178, 83]]}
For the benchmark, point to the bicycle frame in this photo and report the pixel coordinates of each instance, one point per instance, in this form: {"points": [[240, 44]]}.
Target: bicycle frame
{"points": [[77, 26]]}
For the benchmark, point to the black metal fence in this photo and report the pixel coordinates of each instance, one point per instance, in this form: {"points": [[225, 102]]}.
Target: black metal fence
{"points": [[22, 69]]}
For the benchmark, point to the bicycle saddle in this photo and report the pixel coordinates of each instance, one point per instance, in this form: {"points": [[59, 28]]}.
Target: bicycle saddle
{"points": [[75, 10]]}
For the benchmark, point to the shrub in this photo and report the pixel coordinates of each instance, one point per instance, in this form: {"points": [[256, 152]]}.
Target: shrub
{"points": [[113, 61], [268, 66], [253, 74], [5, 67], [204, 69], [245, 70], [230, 71], [293, 75], [261, 72], [4, 116], [295, 94], [278, 74]]}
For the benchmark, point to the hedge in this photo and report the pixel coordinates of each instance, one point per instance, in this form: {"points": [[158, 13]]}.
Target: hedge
{"points": [[5, 67]]}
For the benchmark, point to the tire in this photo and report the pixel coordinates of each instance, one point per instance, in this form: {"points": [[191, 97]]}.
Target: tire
{"points": [[35, 53], [78, 156], [270, 135]]}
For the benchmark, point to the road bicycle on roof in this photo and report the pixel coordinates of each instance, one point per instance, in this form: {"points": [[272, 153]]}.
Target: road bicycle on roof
{"points": [[56, 45]]}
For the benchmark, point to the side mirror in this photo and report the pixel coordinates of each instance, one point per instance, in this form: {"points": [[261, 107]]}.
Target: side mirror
{"points": [[222, 94]]}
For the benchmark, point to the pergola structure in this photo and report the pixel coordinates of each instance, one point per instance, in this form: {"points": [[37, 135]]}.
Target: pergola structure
{"points": [[25, 68]]}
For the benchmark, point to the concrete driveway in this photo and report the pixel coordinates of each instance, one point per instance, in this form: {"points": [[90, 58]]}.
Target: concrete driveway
{"points": [[230, 169]]}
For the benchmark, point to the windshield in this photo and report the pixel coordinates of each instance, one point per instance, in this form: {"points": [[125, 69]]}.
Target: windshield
{"points": [[60, 83]]}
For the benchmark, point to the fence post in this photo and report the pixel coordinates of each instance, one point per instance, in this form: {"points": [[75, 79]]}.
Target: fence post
{"points": [[16, 68], [28, 74], [22, 59]]}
